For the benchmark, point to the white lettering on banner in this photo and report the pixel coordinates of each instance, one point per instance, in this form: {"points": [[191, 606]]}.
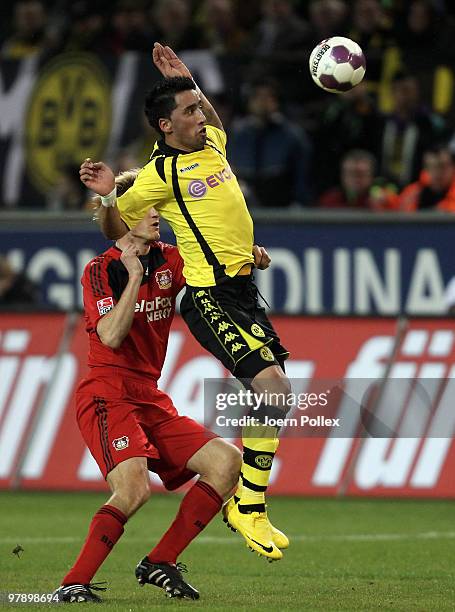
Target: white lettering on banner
{"points": [[435, 449], [286, 263], [55, 404], [361, 283], [341, 282], [88, 469], [441, 343], [187, 385], [16, 257], [337, 449], [14, 340], [13, 105], [8, 371], [35, 371], [57, 261], [313, 281], [426, 288], [369, 285], [388, 462]]}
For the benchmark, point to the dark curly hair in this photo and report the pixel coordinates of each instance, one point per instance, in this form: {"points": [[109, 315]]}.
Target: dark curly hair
{"points": [[160, 101]]}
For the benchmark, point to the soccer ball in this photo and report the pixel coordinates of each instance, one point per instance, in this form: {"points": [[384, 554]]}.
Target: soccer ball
{"points": [[337, 64]]}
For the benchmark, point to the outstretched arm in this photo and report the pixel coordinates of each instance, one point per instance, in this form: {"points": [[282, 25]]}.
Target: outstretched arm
{"points": [[170, 65], [98, 177]]}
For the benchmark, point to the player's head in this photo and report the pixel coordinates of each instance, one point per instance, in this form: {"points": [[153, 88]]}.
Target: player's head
{"points": [[147, 230], [173, 109]]}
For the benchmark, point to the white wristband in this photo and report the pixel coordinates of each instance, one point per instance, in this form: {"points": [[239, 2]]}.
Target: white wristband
{"points": [[110, 200]]}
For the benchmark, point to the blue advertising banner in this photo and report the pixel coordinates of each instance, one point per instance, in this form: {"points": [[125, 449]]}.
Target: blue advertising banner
{"points": [[331, 268]]}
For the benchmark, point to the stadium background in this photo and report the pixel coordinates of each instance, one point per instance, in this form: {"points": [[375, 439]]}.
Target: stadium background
{"points": [[357, 291]]}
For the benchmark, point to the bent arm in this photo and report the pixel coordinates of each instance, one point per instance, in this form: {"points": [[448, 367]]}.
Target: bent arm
{"points": [[170, 65], [210, 113], [116, 324], [111, 223]]}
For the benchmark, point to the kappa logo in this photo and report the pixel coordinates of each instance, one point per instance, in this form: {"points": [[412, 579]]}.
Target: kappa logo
{"points": [[188, 168], [105, 305], [257, 330], [121, 443], [164, 279], [263, 461], [266, 354]]}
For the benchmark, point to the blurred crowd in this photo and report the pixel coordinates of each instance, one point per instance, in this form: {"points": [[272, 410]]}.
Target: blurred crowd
{"points": [[388, 144]]}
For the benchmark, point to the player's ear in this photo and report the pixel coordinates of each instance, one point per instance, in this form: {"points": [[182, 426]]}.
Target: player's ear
{"points": [[165, 125]]}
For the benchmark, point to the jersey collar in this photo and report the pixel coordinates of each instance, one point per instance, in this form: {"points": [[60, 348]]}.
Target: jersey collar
{"points": [[168, 150]]}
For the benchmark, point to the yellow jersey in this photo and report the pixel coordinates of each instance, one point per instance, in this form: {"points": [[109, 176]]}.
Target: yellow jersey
{"points": [[199, 196]]}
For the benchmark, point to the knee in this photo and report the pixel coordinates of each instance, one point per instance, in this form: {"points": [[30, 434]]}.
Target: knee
{"points": [[233, 463], [225, 470], [276, 389], [281, 382], [134, 496]]}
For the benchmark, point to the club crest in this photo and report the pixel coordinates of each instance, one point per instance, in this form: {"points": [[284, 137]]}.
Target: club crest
{"points": [[121, 443], [164, 279]]}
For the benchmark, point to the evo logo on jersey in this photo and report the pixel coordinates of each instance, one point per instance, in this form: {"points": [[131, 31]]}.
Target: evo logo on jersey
{"points": [[105, 305], [198, 188]]}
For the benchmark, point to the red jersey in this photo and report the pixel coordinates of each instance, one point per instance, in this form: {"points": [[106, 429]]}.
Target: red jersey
{"points": [[103, 281]]}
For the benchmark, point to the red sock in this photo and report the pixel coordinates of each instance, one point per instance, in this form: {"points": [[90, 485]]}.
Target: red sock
{"points": [[105, 530], [197, 509]]}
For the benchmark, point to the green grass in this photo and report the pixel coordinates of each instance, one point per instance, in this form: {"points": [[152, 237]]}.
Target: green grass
{"points": [[344, 555]]}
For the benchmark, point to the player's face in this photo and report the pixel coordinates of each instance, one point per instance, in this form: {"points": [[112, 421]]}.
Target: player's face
{"points": [[148, 229], [187, 122]]}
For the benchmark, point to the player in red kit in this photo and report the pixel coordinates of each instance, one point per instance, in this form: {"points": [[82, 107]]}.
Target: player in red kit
{"points": [[129, 425]]}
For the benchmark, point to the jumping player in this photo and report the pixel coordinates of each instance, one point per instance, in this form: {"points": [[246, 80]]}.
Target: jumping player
{"points": [[190, 182], [129, 425]]}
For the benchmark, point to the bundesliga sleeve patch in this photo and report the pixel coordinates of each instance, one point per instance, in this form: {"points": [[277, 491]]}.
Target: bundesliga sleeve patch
{"points": [[105, 305]]}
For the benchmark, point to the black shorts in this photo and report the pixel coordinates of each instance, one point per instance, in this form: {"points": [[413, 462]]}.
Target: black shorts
{"points": [[228, 322]]}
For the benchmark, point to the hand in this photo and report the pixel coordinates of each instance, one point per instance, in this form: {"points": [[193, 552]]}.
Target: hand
{"points": [[97, 176], [262, 259], [130, 260], [168, 63]]}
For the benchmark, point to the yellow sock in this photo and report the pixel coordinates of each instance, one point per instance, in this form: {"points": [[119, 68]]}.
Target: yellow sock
{"points": [[259, 446]]}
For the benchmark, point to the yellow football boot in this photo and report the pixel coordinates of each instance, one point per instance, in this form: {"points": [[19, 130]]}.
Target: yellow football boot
{"points": [[278, 537], [254, 527]]}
